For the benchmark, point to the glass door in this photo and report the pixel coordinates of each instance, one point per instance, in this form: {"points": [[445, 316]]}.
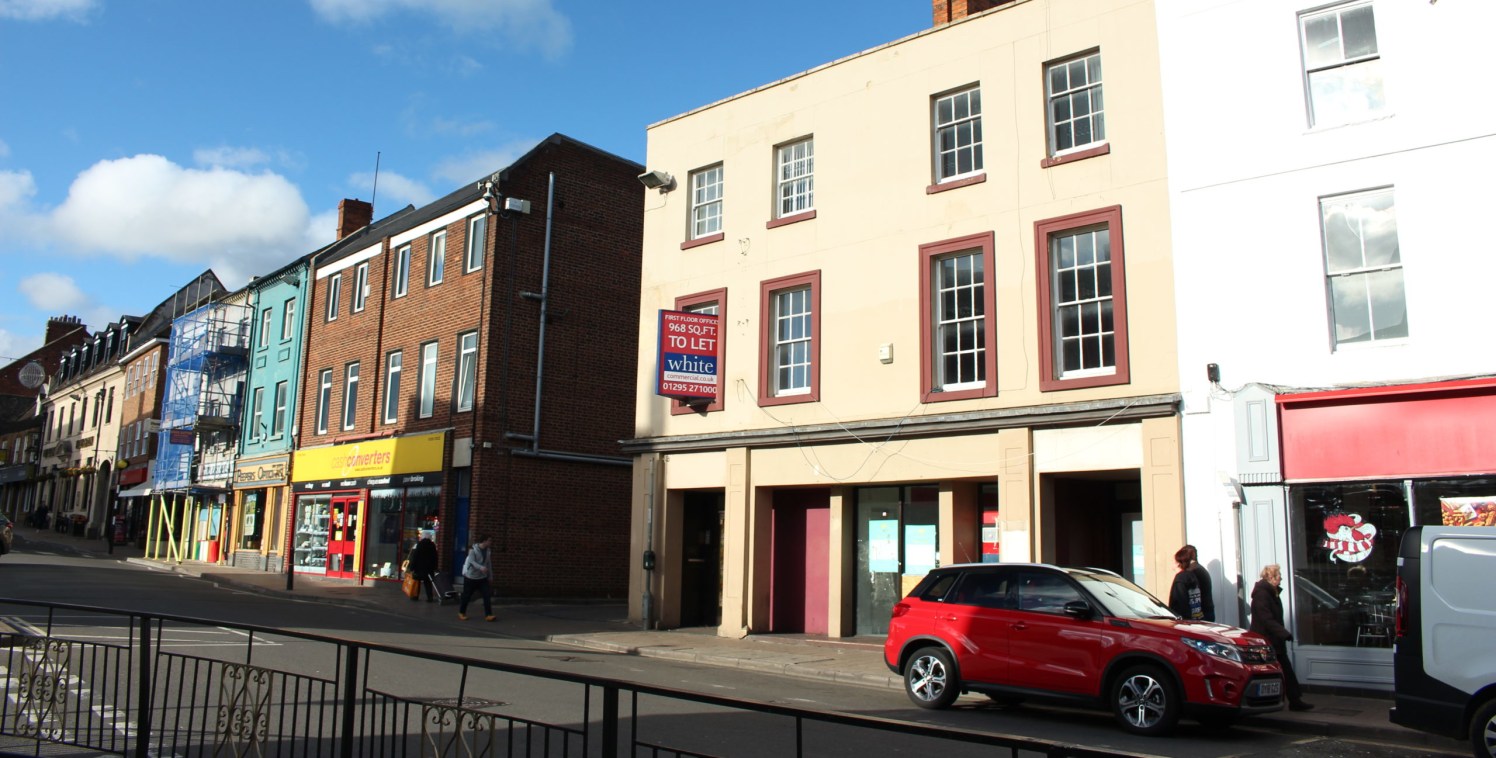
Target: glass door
{"points": [[343, 536], [897, 544]]}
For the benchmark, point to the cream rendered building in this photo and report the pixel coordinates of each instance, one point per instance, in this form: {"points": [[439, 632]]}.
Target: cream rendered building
{"points": [[943, 277]]}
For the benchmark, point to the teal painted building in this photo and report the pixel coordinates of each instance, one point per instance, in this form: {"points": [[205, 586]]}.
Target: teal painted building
{"points": [[262, 472]]}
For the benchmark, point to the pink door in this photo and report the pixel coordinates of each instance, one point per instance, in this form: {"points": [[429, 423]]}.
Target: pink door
{"points": [[800, 575]]}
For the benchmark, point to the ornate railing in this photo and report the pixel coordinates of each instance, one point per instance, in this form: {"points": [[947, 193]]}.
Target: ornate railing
{"points": [[138, 684]]}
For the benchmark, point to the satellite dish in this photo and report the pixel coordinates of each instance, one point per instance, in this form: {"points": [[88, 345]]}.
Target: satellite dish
{"points": [[32, 375]]}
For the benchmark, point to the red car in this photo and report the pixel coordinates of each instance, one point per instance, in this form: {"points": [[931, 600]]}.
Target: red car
{"points": [[1018, 632]]}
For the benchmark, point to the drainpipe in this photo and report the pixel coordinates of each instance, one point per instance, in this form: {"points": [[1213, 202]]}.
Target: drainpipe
{"points": [[544, 298], [649, 545]]}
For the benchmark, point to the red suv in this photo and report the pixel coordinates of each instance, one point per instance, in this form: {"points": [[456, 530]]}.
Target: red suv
{"points": [[1017, 632]]}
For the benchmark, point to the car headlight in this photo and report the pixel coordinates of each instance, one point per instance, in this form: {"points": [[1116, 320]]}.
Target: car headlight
{"points": [[1214, 649]]}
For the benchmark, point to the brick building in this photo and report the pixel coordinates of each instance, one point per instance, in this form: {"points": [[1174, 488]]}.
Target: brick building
{"points": [[22, 417], [426, 403]]}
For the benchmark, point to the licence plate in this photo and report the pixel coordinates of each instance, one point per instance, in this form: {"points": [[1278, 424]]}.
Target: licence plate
{"points": [[1270, 688]]}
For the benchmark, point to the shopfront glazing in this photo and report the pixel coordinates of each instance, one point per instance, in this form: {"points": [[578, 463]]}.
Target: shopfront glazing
{"points": [[1344, 537]]}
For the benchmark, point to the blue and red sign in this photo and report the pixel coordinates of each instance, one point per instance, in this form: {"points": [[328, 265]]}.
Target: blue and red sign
{"points": [[688, 365]]}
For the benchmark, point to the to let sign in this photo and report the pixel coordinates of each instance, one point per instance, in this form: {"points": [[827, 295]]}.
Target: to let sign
{"points": [[687, 367]]}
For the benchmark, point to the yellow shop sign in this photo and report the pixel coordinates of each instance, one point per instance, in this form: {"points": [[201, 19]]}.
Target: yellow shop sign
{"points": [[419, 453]]}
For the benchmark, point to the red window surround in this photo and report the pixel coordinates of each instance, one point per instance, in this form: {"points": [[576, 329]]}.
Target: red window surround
{"points": [[767, 291], [1044, 230], [686, 302], [928, 253]]}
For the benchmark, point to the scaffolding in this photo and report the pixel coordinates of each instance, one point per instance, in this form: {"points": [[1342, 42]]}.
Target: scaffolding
{"points": [[205, 371]]}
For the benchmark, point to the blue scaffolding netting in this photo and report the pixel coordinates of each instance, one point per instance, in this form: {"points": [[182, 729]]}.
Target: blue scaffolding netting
{"points": [[205, 370]]}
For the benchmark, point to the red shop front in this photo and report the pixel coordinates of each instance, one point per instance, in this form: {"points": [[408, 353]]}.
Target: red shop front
{"points": [[1361, 465]]}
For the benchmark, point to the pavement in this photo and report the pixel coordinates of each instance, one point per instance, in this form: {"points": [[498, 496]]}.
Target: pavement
{"points": [[603, 626]]}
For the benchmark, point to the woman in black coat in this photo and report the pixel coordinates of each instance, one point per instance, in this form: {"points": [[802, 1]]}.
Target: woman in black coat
{"points": [[1267, 620], [423, 564]]}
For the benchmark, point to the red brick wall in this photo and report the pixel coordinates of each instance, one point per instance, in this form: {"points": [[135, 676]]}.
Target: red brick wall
{"points": [[561, 528], [48, 355], [145, 404]]}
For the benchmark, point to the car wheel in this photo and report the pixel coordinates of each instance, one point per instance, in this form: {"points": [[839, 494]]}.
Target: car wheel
{"points": [[1144, 702], [1483, 731], [930, 678]]}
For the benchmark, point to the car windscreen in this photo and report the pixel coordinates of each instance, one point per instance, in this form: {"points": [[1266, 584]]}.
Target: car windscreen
{"points": [[1120, 597]]}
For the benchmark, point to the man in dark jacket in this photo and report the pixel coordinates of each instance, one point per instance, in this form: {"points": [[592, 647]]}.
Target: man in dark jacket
{"points": [[1267, 620], [423, 564], [1191, 596]]}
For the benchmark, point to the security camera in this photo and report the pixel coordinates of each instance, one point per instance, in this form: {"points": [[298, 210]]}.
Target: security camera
{"points": [[657, 180]]}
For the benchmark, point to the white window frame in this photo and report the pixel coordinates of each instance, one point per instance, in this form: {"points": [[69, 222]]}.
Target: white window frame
{"points": [[393, 364], [350, 396], [467, 371], [324, 400], [288, 320], [430, 354], [793, 346], [334, 294], [1068, 94], [257, 413], [267, 317], [706, 201], [1365, 274], [969, 324], [278, 423], [360, 287], [1078, 271], [477, 232], [956, 119], [436, 258], [1338, 65], [795, 178], [402, 271]]}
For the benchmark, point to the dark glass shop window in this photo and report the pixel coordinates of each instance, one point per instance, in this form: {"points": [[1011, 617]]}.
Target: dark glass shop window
{"points": [[1467, 501], [1344, 539]]}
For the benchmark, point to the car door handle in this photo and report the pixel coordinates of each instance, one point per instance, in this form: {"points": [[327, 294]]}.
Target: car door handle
{"points": [[1019, 626], [948, 617]]}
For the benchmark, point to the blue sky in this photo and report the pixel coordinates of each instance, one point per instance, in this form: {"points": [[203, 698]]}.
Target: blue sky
{"points": [[142, 141]]}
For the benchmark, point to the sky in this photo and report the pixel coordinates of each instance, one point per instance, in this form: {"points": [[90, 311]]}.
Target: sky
{"points": [[143, 141]]}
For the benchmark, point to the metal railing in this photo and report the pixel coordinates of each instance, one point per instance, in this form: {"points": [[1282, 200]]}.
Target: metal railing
{"points": [[141, 684]]}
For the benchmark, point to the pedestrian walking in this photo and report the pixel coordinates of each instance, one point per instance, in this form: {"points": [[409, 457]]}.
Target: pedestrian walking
{"points": [[422, 564], [477, 572], [1191, 596], [1267, 620]]}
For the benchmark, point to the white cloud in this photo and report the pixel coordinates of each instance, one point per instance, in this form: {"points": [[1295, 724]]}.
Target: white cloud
{"points": [[229, 157], [16, 187], [52, 292], [529, 24], [398, 189], [46, 10], [236, 222], [474, 166], [4, 149]]}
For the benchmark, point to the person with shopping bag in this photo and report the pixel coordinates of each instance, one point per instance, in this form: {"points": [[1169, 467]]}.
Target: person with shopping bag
{"points": [[421, 567]]}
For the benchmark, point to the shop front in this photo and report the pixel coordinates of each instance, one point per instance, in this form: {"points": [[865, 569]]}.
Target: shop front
{"points": [[360, 507], [760, 539], [1360, 467], [261, 490], [135, 484]]}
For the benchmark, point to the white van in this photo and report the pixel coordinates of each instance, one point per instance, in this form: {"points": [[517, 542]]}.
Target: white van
{"points": [[1444, 657]]}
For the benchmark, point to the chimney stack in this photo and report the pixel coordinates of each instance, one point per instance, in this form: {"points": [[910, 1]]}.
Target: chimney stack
{"points": [[946, 11], [353, 215], [61, 326]]}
